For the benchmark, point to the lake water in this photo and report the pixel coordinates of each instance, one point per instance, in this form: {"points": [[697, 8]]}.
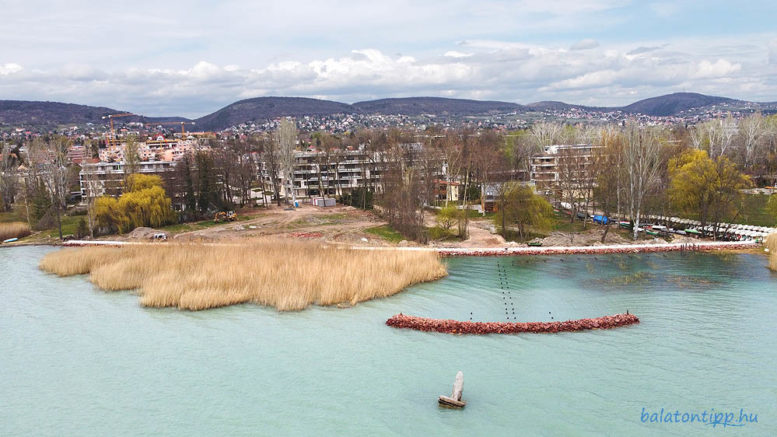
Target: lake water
{"points": [[77, 361]]}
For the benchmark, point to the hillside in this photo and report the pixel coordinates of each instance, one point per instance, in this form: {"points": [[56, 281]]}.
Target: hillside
{"points": [[53, 114], [551, 105], [18, 112], [661, 106], [435, 106], [672, 104], [267, 108]]}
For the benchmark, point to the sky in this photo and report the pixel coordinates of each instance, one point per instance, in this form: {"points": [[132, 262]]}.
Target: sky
{"points": [[190, 58]]}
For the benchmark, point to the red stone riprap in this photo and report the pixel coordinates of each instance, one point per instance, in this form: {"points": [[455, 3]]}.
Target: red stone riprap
{"points": [[457, 327]]}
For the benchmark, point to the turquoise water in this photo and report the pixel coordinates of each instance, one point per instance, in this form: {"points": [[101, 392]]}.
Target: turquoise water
{"points": [[77, 361]]}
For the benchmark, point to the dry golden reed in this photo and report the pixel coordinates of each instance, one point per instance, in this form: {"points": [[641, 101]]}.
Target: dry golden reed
{"points": [[14, 230], [286, 275], [771, 244]]}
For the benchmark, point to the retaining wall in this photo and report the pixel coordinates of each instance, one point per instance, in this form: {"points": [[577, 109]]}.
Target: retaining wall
{"points": [[589, 250]]}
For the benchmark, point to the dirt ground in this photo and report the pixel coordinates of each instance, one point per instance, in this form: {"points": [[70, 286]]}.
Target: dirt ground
{"points": [[332, 225], [336, 224], [346, 225]]}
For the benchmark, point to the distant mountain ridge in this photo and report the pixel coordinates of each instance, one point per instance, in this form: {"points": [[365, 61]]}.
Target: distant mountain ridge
{"points": [[51, 114], [435, 106], [672, 104], [264, 108], [660, 106]]}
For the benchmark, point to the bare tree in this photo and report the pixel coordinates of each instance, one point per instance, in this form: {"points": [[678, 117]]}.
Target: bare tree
{"points": [[570, 166], [642, 163], [271, 157], [50, 156], [607, 171], [131, 158], [751, 130], [10, 160], [286, 136], [546, 133], [92, 187], [717, 135]]}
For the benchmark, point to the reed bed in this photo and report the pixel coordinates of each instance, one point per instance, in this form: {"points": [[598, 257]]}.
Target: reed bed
{"points": [[286, 275], [771, 244], [14, 230]]}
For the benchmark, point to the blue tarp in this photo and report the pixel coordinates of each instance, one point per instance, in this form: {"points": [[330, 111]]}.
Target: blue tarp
{"points": [[601, 219]]}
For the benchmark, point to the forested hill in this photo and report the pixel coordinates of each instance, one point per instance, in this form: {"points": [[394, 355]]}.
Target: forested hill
{"points": [[436, 106], [22, 113], [661, 106], [267, 108], [673, 104]]}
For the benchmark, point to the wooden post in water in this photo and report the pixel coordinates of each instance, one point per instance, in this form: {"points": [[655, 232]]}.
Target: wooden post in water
{"points": [[454, 401]]}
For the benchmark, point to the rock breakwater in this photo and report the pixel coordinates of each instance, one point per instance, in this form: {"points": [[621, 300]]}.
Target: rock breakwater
{"points": [[458, 327]]}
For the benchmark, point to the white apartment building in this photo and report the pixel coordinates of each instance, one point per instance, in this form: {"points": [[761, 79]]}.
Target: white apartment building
{"points": [[106, 178], [547, 168]]}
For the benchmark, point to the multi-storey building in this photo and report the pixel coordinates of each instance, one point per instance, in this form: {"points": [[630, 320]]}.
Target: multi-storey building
{"points": [[562, 167], [106, 178], [331, 174]]}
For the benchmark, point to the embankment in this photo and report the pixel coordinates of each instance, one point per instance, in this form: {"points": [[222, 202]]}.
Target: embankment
{"points": [[704, 246], [458, 327]]}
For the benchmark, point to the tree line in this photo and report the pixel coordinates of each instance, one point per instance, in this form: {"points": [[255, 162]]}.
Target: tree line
{"points": [[629, 171]]}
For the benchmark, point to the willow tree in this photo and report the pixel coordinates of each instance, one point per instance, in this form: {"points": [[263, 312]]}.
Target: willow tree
{"points": [[520, 206], [145, 203], [704, 188]]}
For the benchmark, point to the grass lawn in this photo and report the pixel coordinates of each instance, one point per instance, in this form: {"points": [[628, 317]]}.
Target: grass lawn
{"points": [[14, 215], [387, 233], [69, 226], [561, 224], [754, 211]]}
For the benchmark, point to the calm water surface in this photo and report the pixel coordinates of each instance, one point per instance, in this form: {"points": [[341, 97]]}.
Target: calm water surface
{"points": [[78, 361]]}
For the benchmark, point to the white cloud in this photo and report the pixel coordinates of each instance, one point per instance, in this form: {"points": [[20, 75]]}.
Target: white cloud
{"points": [[719, 68], [9, 69], [589, 80], [455, 54]]}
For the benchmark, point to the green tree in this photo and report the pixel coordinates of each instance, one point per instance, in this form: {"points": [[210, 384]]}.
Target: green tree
{"points": [[706, 189], [208, 192], [447, 217], [40, 200], [520, 206]]}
